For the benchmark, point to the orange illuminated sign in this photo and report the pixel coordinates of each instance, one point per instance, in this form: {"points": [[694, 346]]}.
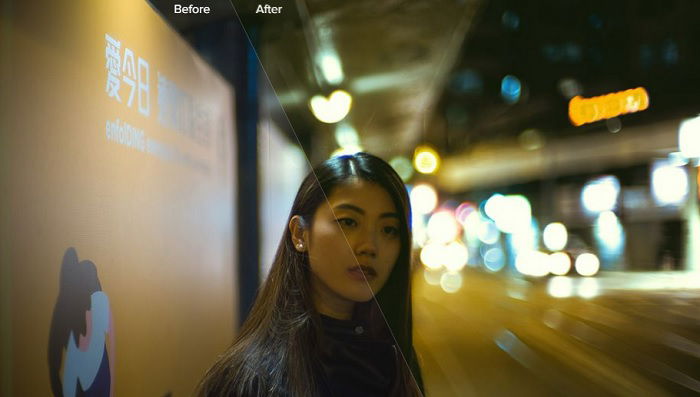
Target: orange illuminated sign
{"points": [[588, 110]]}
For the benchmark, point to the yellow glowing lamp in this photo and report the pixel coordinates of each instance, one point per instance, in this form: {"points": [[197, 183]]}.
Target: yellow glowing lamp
{"points": [[426, 160], [588, 110]]}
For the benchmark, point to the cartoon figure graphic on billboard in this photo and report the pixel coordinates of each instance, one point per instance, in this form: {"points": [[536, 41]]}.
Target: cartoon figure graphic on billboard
{"points": [[81, 340]]}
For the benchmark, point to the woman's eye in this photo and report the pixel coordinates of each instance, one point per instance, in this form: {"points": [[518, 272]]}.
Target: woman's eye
{"points": [[391, 230], [347, 222]]}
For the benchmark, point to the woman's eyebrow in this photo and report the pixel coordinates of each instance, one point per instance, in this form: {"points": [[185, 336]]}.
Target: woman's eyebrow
{"points": [[362, 212], [350, 207]]}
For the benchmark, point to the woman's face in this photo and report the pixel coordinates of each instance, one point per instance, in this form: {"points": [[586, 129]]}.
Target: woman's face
{"points": [[354, 242]]}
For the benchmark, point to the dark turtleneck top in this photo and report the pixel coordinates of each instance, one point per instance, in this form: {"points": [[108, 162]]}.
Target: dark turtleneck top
{"points": [[353, 363]]}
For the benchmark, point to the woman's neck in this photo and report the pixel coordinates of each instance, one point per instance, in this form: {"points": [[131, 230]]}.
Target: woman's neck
{"points": [[329, 303]]}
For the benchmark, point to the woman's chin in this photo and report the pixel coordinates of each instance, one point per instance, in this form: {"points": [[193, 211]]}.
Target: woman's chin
{"points": [[360, 295]]}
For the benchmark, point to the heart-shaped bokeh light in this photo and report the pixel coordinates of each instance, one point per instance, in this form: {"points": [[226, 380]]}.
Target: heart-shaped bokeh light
{"points": [[331, 109]]}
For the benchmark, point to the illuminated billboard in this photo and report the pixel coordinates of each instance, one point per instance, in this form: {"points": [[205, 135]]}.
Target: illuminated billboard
{"points": [[588, 110], [119, 202]]}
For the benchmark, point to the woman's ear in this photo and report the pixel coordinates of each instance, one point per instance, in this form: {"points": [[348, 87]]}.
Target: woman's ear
{"points": [[300, 233]]}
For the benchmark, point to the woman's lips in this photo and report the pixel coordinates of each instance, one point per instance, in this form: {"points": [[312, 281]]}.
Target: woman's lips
{"points": [[362, 273]]}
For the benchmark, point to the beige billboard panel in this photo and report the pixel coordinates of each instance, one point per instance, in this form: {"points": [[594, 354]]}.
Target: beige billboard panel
{"points": [[118, 203]]}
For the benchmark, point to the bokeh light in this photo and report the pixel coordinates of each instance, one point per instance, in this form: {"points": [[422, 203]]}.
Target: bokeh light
{"points": [[332, 109], [463, 211], [669, 183], [511, 89], [600, 194], [589, 110], [525, 238], [610, 237], [555, 236], [456, 256], [608, 229], [420, 235], [494, 259], [432, 276], [487, 231], [569, 87], [588, 288], [511, 213], [587, 264], [331, 67], [432, 255], [347, 150], [510, 20], [532, 263], [614, 125], [403, 167], [443, 227], [493, 205], [426, 160], [451, 282], [559, 263], [531, 139], [346, 135], [689, 137], [560, 287], [471, 227], [423, 198]]}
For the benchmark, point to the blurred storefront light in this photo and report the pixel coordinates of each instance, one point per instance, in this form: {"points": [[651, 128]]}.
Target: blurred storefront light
{"points": [[332, 109], [587, 264], [555, 236], [588, 110], [423, 198], [426, 160], [600, 194], [443, 227], [559, 263], [689, 137], [669, 183]]}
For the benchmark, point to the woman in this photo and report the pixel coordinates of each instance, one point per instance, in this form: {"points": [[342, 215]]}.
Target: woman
{"points": [[340, 276]]}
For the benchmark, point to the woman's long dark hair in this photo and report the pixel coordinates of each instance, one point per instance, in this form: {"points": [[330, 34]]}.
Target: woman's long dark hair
{"points": [[275, 353]]}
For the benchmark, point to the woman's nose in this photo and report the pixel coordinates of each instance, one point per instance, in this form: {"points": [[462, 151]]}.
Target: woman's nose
{"points": [[367, 245]]}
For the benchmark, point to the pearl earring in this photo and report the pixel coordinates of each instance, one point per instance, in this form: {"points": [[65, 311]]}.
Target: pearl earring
{"points": [[300, 245]]}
